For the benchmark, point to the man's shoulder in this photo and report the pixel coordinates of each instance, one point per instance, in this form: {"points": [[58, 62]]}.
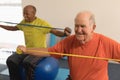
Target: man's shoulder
{"points": [[103, 37], [39, 19], [99, 35], [70, 38]]}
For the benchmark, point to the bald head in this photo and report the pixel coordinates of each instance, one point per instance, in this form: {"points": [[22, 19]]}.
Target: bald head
{"points": [[85, 15], [30, 8], [29, 12]]}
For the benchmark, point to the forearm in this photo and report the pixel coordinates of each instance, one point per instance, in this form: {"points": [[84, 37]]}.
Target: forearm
{"points": [[11, 28], [57, 33], [66, 32], [42, 52]]}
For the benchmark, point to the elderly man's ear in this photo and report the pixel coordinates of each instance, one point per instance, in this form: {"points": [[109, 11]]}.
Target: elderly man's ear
{"points": [[94, 26]]}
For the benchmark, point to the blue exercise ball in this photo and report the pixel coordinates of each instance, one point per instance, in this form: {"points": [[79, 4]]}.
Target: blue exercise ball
{"points": [[46, 69]]}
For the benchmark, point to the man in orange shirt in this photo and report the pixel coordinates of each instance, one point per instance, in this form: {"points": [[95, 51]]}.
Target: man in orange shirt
{"points": [[85, 42]]}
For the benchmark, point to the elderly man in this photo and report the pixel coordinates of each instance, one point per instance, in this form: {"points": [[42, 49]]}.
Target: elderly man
{"points": [[85, 42], [35, 37]]}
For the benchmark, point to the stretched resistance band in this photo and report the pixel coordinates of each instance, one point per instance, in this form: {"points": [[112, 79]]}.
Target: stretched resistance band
{"points": [[70, 55], [31, 25]]}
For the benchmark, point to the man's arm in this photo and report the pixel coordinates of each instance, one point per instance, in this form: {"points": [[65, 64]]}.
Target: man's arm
{"points": [[42, 52], [67, 32], [11, 28]]}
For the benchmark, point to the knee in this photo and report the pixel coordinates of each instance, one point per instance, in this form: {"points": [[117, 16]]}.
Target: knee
{"points": [[26, 63], [9, 60], [30, 61]]}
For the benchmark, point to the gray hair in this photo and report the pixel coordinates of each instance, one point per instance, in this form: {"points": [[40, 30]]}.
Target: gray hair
{"points": [[92, 18]]}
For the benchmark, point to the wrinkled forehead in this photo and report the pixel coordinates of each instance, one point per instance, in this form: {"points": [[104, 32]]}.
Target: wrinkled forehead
{"points": [[82, 18]]}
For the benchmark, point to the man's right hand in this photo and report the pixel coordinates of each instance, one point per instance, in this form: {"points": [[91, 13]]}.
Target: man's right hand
{"points": [[67, 31], [21, 49]]}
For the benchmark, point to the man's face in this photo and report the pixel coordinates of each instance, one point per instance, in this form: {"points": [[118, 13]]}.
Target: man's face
{"points": [[83, 28], [29, 14]]}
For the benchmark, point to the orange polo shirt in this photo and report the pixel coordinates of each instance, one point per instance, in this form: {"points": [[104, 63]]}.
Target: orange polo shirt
{"points": [[84, 68]]}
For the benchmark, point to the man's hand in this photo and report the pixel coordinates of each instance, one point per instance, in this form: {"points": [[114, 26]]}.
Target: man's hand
{"points": [[21, 49], [67, 31]]}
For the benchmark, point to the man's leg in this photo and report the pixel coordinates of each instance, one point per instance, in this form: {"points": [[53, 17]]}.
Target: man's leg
{"points": [[68, 78], [29, 64], [13, 62]]}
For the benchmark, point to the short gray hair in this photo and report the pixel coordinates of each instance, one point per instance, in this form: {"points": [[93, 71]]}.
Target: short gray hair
{"points": [[92, 18]]}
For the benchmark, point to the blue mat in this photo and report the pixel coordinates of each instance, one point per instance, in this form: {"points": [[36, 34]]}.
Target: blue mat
{"points": [[62, 74]]}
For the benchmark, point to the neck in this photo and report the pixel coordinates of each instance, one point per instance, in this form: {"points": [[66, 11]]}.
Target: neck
{"points": [[86, 40], [31, 20]]}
